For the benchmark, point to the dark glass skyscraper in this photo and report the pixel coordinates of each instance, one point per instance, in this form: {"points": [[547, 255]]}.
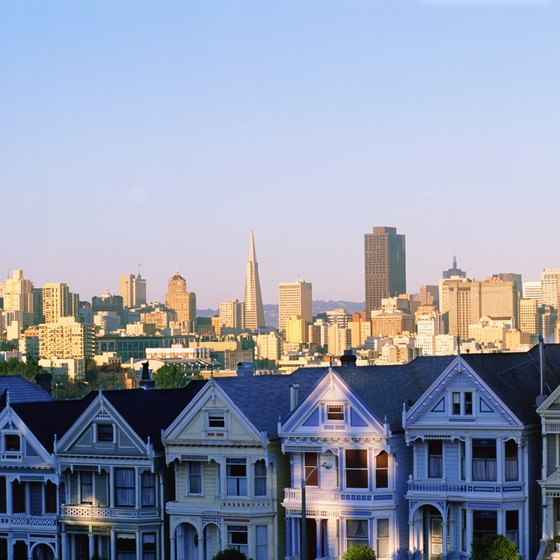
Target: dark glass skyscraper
{"points": [[385, 265]]}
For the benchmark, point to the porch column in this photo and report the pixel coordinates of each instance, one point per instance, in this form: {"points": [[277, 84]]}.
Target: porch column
{"points": [[469, 531], [468, 458], [10, 548], [500, 452], [410, 537], [318, 539], [9, 498], [295, 536], [113, 541], [64, 544], [138, 544], [91, 543], [172, 545], [288, 538], [201, 543], [326, 538], [444, 533]]}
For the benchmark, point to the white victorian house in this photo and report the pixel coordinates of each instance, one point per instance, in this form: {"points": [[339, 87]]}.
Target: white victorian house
{"points": [[476, 456], [112, 462], [229, 471]]}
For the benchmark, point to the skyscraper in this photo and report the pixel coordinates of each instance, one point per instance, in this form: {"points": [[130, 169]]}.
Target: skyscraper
{"points": [[454, 271], [294, 298], [18, 297], [132, 290], [385, 265], [181, 301], [254, 312], [58, 302]]}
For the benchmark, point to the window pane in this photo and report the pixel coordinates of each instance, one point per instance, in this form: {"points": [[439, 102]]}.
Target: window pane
{"points": [[260, 478], [382, 470], [194, 477], [148, 490], [124, 487], [356, 468], [311, 462]]}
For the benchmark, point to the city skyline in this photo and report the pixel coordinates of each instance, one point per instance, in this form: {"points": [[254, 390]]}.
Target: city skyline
{"points": [[164, 135]]}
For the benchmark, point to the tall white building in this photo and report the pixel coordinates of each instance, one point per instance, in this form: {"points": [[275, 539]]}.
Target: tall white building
{"points": [[533, 290], [231, 314], [132, 290], [294, 298], [550, 279], [428, 326], [58, 302], [18, 297]]}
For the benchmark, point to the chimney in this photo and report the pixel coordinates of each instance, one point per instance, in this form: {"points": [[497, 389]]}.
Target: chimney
{"points": [[294, 395], [348, 358], [146, 381]]}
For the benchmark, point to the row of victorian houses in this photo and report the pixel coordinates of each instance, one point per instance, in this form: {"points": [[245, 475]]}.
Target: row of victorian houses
{"points": [[415, 460]]}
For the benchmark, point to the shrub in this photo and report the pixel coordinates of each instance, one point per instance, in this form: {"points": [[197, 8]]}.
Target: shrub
{"points": [[494, 547], [361, 552], [229, 554]]}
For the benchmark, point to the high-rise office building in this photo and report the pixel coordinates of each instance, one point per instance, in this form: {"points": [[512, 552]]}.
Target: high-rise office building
{"points": [[231, 314], [550, 280], [132, 290], [254, 311], [533, 290], [385, 265], [18, 297], [66, 339], [294, 298], [59, 302], [181, 301]]}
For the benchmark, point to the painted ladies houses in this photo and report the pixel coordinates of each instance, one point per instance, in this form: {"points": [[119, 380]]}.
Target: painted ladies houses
{"points": [[351, 421], [229, 470], [112, 461], [475, 440], [28, 478], [549, 481]]}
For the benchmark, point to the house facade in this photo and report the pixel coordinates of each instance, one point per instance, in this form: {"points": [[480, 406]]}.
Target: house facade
{"points": [[226, 479], [476, 450], [344, 454]]}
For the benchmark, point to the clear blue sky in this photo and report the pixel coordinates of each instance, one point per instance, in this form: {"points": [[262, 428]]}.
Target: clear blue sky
{"points": [[163, 132]]}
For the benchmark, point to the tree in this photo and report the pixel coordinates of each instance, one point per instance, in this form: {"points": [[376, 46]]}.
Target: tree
{"points": [[169, 377], [494, 547], [229, 554], [360, 552]]}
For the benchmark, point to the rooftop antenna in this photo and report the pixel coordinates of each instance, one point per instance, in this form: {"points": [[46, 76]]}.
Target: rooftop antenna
{"points": [[139, 269]]}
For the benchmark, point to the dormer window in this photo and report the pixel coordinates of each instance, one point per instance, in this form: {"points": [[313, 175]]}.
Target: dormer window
{"points": [[105, 433], [12, 442], [335, 412], [462, 403], [11, 447], [216, 420]]}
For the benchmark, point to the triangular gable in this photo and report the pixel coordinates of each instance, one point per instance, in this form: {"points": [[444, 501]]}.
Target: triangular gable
{"points": [[551, 403], [34, 450], [191, 423], [80, 437], [431, 400], [309, 416]]}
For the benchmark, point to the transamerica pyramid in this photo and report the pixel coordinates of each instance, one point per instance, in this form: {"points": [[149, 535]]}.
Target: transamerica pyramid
{"points": [[254, 313]]}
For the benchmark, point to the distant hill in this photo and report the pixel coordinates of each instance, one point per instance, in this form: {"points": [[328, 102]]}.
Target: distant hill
{"points": [[319, 306]]}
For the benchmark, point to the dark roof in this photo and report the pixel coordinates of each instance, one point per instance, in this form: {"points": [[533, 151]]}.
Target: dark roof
{"points": [[150, 411], [515, 377], [147, 412], [264, 399], [384, 389], [21, 390], [47, 419]]}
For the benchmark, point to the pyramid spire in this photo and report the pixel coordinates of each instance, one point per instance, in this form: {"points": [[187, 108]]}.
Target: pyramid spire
{"points": [[254, 312]]}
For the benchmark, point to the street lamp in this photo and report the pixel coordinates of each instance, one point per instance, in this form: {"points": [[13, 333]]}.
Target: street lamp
{"points": [[304, 479]]}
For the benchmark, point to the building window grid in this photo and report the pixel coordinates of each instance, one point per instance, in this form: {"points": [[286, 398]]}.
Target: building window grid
{"points": [[236, 476]]}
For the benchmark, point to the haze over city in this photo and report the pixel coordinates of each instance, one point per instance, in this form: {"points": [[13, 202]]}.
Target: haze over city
{"points": [[163, 134]]}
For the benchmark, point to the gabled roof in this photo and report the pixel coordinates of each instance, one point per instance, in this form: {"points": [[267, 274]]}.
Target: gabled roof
{"points": [[264, 399], [384, 389], [47, 419], [148, 412], [21, 390], [515, 377]]}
